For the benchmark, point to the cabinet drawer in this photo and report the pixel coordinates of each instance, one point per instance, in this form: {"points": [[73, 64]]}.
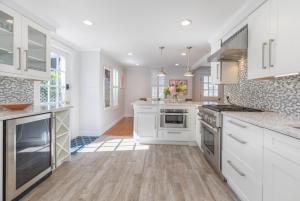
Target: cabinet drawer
{"points": [[247, 186], [250, 155], [283, 145], [175, 135], [248, 133], [145, 109]]}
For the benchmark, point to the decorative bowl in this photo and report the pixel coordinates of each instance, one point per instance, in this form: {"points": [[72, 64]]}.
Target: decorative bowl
{"points": [[15, 106]]}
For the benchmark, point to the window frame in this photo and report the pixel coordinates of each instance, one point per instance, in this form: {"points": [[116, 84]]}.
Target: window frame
{"points": [[215, 87], [157, 85], [115, 86], [58, 85]]}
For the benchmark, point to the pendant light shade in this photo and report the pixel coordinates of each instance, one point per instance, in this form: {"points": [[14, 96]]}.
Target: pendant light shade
{"points": [[162, 72], [188, 72]]}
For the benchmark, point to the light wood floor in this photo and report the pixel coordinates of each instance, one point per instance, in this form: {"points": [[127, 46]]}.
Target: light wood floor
{"points": [[122, 128], [122, 170]]}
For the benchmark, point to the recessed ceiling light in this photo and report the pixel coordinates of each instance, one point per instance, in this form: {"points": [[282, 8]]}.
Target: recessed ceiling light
{"points": [[87, 22], [137, 64], [183, 54], [130, 54], [176, 64], [10, 21], [186, 22]]}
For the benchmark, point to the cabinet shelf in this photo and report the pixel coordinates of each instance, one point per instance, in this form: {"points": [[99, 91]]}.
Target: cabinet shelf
{"points": [[35, 44], [35, 59], [5, 51], [3, 30]]}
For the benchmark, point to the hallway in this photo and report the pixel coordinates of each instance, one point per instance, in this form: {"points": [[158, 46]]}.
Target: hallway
{"points": [[123, 128]]}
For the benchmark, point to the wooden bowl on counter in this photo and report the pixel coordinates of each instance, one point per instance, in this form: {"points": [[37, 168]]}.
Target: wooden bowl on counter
{"points": [[15, 106]]}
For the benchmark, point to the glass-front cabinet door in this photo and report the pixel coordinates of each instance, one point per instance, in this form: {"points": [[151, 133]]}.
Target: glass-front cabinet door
{"points": [[36, 52], [10, 44]]}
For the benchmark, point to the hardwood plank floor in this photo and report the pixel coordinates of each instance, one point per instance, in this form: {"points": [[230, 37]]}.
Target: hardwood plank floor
{"points": [[122, 128], [119, 169]]}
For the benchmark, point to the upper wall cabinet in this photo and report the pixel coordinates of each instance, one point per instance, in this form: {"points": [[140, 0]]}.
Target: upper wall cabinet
{"points": [[223, 72], [274, 39], [24, 47]]}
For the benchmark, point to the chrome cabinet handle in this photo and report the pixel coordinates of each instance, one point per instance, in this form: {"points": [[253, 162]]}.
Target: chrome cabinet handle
{"points": [[263, 55], [237, 124], [237, 139], [236, 169], [155, 124], [26, 56], [270, 53], [20, 58], [218, 77]]}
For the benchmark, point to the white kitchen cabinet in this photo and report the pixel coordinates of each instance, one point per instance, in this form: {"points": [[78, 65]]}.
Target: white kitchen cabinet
{"points": [[273, 39], [10, 41], [146, 124], [24, 47], [223, 72], [198, 134], [281, 179]]}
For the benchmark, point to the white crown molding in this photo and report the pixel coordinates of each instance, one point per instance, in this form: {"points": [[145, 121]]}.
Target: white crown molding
{"points": [[50, 25]]}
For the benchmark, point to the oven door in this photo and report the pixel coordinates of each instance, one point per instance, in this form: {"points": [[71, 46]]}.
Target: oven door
{"points": [[211, 144], [27, 153]]}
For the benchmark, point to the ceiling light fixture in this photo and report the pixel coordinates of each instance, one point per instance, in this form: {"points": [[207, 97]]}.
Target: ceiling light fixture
{"points": [[186, 22], [162, 72], [176, 64], [130, 54], [188, 72], [183, 54], [87, 22], [137, 64]]}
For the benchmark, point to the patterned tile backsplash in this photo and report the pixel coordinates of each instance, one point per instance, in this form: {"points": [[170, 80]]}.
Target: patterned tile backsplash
{"points": [[16, 90], [280, 94]]}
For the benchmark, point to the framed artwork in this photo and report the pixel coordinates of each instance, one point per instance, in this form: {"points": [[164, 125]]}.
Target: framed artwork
{"points": [[175, 82]]}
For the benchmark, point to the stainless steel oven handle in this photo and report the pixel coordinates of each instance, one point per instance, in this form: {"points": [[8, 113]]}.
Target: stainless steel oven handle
{"points": [[236, 169], [209, 126], [237, 139], [174, 132], [237, 124]]}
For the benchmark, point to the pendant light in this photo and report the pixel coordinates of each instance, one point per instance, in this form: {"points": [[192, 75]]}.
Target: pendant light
{"points": [[188, 72], [162, 72]]}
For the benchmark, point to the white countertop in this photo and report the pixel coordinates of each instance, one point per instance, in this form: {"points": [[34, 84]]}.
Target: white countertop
{"points": [[157, 103], [32, 110], [270, 120]]}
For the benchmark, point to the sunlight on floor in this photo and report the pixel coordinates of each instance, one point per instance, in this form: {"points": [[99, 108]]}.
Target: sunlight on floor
{"points": [[116, 144]]}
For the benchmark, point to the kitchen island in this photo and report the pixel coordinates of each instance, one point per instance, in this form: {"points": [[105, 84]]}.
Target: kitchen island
{"points": [[166, 122]]}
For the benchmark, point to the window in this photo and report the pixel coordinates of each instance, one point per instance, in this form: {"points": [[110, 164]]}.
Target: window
{"points": [[115, 95], [53, 91], [209, 89], [107, 87], [158, 85]]}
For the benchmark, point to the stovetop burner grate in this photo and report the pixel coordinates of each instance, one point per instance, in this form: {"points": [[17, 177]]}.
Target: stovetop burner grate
{"points": [[220, 108]]}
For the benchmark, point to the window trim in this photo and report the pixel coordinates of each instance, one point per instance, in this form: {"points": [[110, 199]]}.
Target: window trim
{"points": [[208, 83], [115, 87], [110, 91]]}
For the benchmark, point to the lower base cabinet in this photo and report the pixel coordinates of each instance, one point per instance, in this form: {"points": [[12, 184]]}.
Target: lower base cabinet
{"points": [[145, 125]]}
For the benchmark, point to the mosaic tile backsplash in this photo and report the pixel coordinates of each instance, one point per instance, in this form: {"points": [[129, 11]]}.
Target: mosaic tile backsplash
{"points": [[279, 95], [16, 90]]}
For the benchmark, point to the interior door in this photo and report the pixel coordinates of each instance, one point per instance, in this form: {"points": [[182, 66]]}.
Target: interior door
{"points": [[10, 41]]}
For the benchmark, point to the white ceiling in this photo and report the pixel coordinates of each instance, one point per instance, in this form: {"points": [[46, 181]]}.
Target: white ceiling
{"points": [[137, 26]]}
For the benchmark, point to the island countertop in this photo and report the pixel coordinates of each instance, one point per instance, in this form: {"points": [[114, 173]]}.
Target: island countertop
{"points": [[170, 103], [32, 110]]}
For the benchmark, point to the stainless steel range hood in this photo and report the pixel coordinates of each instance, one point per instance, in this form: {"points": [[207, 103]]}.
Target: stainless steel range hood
{"points": [[233, 49]]}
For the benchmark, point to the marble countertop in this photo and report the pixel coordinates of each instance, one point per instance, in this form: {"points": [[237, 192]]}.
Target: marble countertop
{"points": [[270, 120], [158, 103], [32, 110]]}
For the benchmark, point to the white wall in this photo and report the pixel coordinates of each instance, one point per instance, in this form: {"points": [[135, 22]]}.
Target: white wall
{"points": [[94, 119], [138, 84]]}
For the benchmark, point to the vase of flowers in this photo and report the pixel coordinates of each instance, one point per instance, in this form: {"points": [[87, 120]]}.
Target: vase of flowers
{"points": [[175, 90]]}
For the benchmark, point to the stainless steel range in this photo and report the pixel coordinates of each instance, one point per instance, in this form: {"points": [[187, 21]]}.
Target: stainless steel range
{"points": [[211, 130]]}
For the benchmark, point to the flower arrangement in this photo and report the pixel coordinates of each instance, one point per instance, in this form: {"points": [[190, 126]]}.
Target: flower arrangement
{"points": [[175, 89]]}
